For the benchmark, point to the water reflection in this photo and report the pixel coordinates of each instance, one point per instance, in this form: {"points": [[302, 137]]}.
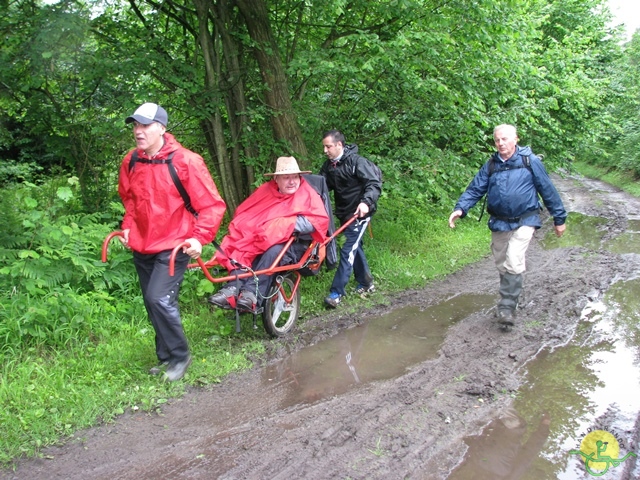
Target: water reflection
{"points": [[505, 450], [381, 348], [593, 383], [582, 230]]}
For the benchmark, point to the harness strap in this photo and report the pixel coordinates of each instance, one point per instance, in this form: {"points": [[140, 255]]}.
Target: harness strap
{"points": [[174, 176]]}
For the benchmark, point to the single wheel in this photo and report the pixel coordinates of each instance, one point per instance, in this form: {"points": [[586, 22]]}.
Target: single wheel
{"points": [[278, 316]]}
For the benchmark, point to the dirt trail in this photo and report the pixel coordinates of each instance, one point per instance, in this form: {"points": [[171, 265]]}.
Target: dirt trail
{"points": [[408, 427]]}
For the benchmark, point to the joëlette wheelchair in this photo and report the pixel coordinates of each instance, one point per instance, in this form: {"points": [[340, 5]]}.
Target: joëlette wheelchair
{"points": [[281, 306]]}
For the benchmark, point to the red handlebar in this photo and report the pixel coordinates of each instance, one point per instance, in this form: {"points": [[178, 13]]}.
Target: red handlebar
{"points": [[105, 244], [172, 261], [340, 230], [199, 260]]}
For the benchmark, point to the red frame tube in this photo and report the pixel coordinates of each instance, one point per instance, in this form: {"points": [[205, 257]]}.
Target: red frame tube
{"points": [[274, 268]]}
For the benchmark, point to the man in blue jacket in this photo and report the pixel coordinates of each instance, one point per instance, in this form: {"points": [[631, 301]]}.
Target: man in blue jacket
{"points": [[512, 179]]}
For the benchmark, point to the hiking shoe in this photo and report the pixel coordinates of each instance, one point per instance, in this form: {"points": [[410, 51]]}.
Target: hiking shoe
{"points": [[333, 300], [363, 290], [157, 370], [505, 319], [247, 301], [176, 370], [221, 299]]}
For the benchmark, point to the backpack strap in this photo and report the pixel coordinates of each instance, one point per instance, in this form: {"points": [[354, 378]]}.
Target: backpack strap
{"points": [[526, 163], [183, 193], [174, 176]]}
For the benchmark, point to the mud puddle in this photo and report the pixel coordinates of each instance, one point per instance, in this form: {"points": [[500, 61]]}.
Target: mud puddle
{"points": [[575, 395], [380, 348], [593, 233]]}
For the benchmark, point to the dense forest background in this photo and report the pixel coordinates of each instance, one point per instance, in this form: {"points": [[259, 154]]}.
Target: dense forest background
{"points": [[417, 84]]}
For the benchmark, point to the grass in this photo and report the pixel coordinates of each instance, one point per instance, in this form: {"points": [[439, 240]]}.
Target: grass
{"points": [[48, 394], [378, 451]]}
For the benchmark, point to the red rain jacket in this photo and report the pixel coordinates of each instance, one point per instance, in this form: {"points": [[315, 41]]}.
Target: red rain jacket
{"points": [[155, 211], [268, 218]]}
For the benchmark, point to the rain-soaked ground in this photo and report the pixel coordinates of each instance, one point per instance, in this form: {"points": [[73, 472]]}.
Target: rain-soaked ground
{"points": [[423, 385], [589, 387]]}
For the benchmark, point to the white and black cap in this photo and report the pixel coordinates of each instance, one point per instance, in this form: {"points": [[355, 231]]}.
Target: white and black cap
{"points": [[148, 113]]}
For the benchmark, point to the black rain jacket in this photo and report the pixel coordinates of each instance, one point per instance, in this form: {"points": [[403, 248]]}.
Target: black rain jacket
{"points": [[353, 179]]}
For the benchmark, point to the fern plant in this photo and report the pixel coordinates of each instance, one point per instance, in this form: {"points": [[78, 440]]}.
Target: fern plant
{"points": [[52, 279]]}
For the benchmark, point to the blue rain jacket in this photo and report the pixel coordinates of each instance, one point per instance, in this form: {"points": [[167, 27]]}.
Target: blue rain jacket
{"points": [[512, 192]]}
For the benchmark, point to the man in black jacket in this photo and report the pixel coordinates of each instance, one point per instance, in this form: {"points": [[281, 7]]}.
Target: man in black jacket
{"points": [[357, 185]]}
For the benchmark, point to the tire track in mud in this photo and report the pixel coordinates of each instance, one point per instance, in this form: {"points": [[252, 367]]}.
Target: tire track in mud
{"points": [[408, 427]]}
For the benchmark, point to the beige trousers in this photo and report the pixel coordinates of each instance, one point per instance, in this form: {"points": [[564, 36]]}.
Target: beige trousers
{"points": [[509, 249]]}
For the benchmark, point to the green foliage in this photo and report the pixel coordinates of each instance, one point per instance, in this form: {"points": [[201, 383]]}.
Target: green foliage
{"points": [[617, 148], [16, 172], [53, 284], [417, 84]]}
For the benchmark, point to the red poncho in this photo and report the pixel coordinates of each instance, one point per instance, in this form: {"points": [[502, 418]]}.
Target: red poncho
{"points": [[267, 218]]}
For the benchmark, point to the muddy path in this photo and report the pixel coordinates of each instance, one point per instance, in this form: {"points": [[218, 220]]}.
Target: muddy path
{"points": [[270, 423]]}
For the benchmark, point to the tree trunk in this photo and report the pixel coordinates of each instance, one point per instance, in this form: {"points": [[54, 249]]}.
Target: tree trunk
{"points": [[283, 119], [213, 127], [235, 101]]}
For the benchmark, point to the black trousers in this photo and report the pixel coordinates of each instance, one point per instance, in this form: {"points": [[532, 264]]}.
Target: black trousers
{"points": [[291, 256], [160, 293]]}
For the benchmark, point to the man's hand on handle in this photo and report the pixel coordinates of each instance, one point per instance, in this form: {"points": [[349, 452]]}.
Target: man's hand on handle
{"points": [[362, 210], [195, 248], [125, 237]]}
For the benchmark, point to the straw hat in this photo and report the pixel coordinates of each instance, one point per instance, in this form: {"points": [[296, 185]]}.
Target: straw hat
{"points": [[286, 166]]}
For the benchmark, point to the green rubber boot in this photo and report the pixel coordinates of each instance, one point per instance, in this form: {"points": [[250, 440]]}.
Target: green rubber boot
{"points": [[510, 289]]}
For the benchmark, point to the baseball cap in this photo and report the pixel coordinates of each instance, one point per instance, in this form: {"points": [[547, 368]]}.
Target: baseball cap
{"points": [[148, 113]]}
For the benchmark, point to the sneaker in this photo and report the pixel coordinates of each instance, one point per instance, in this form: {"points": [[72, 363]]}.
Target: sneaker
{"points": [[176, 371], [157, 370], [247, 301], [363, 290], [333, 300], [221, 299]]}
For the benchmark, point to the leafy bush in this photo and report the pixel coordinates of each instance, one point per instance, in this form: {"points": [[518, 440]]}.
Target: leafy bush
{"points": [[53, 285]]}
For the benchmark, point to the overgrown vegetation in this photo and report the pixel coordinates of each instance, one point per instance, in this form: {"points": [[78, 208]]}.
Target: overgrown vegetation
{"points": [[418, 84]]}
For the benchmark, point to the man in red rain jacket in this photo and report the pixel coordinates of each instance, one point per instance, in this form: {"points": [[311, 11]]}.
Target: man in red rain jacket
{"points": [[260, 227], [156, 219]]}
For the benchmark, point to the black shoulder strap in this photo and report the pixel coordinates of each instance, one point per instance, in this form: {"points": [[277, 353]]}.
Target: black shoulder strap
{"points": [[526, 163], [174, 176], [133, 159], [183, 193], [492, 166]]}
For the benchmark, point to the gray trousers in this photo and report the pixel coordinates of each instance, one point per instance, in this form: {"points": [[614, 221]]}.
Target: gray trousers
{"points": [[160, 293], [264, 261]]}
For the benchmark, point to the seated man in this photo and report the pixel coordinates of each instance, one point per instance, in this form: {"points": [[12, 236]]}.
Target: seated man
{"points": [[260, 227]]}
